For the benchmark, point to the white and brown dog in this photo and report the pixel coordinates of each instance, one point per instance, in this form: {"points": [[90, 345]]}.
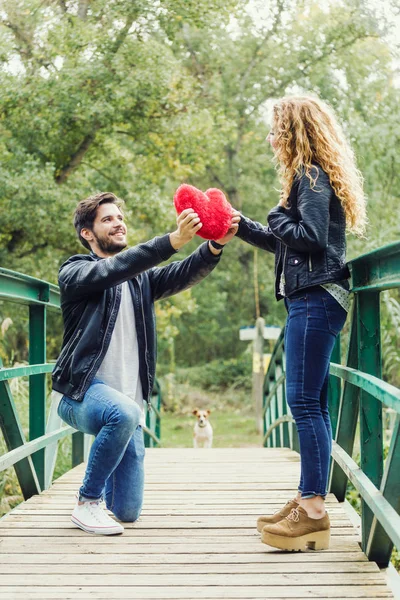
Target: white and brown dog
{"points": [[203, 433]]}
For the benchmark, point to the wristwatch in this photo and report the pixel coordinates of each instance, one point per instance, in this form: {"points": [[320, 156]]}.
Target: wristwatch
{"points": [[217, 246]]}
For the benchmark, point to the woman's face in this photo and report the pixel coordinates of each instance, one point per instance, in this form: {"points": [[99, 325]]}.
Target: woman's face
{"points": [[271, 137]]}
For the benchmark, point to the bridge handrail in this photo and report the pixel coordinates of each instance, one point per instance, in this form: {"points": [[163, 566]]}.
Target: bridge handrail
{"points": [[34, 461], [357, 394]]}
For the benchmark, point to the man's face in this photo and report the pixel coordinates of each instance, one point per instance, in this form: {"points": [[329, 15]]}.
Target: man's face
{"points": [[108, 236]]}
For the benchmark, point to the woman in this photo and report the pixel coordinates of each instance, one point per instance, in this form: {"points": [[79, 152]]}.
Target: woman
{"points": [[321, 194]]}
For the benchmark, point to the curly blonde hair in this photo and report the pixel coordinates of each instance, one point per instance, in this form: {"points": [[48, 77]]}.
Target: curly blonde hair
{"points": [[306, 131]]}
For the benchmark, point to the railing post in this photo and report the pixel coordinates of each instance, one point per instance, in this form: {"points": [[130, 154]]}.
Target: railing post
{"points": [[147, 438], [265, 417], [348, 414], [37, 384], [258, 372], [158, 420], [14, 437], [369, 361], [78, 448], [295, 438], [286, 434], [380, 546], [334, 389]]}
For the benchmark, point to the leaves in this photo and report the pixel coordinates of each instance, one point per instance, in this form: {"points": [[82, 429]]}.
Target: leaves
{"points": [[137, 98]]}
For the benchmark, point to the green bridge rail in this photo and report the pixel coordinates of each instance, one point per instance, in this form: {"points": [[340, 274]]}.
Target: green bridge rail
{"points": [[356, 389], [34, 460], [356, 395]]}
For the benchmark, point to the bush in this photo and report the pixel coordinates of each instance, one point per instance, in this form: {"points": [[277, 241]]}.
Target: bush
{"points": [[218, 374]]}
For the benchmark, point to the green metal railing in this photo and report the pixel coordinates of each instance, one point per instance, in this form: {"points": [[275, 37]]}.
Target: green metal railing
{"points": [[357, 394], [34, 460], [152, 430]]}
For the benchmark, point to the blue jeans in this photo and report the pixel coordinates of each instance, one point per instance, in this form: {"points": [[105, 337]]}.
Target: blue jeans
{"points": [[314, 320], [115, 467]]}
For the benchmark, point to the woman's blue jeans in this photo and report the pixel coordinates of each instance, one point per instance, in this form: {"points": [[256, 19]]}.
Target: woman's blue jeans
{"points": [[314, 320], [115, 466]]}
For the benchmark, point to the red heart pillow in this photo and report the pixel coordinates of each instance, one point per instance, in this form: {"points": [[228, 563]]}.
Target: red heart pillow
{"points": [[213, 208]]}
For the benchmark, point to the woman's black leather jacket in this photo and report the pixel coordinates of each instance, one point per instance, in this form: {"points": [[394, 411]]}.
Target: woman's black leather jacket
{"points": [[308, 237]]}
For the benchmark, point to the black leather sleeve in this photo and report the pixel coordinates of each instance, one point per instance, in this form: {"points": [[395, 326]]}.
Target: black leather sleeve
{"points": [[256, 234], [308, 233], [81, 276], [183, 274]]}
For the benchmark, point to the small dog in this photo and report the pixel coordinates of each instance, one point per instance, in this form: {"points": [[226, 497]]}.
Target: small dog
{"points": [[202, 430]]}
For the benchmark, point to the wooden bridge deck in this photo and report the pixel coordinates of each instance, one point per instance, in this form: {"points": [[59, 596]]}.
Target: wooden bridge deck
{"points": [[196, 538]]}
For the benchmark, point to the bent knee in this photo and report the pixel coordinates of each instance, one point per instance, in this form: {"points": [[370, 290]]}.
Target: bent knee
{"points": [[128, 416], [126, 514]]}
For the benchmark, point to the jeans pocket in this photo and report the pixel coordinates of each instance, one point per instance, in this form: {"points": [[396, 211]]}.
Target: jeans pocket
{"points": [[297, 297], [335, 315], [65, 411]]}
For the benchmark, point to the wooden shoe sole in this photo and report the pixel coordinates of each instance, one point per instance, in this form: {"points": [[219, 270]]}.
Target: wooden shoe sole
{"points": [[319, 540]]}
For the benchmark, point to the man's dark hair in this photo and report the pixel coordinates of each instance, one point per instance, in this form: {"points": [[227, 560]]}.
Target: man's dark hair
{"points": [[85, 212]]}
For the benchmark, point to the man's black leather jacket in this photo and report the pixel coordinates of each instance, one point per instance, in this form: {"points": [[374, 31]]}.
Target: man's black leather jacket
{"points": [[90, 299], [308, 238]]}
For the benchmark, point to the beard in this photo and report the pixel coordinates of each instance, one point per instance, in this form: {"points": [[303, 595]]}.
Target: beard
{"points": [[108, 245]]}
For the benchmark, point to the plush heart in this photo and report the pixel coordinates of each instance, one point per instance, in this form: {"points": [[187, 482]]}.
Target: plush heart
{"points": [[213, 208]]}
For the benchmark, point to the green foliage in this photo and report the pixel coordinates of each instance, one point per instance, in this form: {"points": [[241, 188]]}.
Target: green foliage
{"points": [[232, 373], [390, 323], [139, 97]]}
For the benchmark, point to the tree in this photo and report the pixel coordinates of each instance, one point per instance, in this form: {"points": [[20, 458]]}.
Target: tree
{"points": [[91, 97], [140, 97]]}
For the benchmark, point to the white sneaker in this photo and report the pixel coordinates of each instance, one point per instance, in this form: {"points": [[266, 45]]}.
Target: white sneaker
{"points": [[92, 518]]}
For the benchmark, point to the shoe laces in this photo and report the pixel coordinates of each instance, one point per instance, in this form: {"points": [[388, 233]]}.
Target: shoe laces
{"points": [[97, 511], [294, 515]]}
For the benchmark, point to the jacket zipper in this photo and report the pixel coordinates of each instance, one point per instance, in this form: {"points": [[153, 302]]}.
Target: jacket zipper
{"points": [[101, 349], [68, 347], [136, 282], [282, 281], [279, 258], [310, 263], [145, 346]]}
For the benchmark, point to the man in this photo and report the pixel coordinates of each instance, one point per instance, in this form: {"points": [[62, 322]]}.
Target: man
{"points": [[107, 363]]}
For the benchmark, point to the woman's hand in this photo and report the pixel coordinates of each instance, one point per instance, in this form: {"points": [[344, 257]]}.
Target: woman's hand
{"points": [[232, 231]]}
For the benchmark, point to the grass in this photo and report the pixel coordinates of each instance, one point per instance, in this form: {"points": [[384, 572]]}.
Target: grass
{"points": [[231, 430], [232, 414]]}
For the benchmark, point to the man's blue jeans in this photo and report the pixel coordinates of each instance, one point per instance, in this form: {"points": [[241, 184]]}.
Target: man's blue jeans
{"points": [[314, 320], [115, 467]]}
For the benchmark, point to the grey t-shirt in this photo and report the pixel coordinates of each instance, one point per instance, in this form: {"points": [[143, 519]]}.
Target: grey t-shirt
{"points": [[120, 366]]}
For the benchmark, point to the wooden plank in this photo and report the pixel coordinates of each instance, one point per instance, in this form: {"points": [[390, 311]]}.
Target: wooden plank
{"points": [[196, 538], [189, 509], [209, 592], [185, 500], [140, 536], [192, 579], [217, 496], [197, 568], [19, 546], [265, 558], [173, 521]]}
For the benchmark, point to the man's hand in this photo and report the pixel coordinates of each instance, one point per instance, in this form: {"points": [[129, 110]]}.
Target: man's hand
{"points": [[188, 225]]}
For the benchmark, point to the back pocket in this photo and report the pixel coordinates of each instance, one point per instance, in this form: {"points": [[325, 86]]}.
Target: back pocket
{"points": [[65, 412]]}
